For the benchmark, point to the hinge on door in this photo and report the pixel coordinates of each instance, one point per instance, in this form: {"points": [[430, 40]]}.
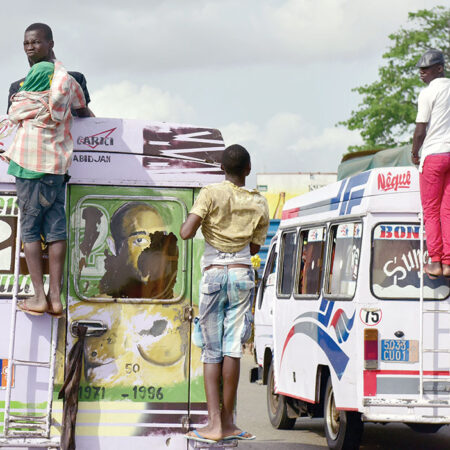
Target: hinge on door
{"points": [[187, 313], [185, 422]]}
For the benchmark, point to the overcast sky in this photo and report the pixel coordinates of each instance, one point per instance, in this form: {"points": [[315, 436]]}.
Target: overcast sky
{"points": [[273, 75]]}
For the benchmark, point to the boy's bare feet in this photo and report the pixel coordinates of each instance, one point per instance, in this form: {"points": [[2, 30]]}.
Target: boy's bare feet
{"points": [[208, 432], [237, 433], [34, 306]]}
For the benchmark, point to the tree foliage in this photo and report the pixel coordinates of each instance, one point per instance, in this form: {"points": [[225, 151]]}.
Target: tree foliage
{"points": [[388, 110]]}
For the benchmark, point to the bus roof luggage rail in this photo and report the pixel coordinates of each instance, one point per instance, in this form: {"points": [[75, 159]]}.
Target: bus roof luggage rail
{"points": [[33, 429]]}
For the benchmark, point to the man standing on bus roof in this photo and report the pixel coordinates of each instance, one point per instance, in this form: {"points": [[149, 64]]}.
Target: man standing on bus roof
{"points": [[432, 133], [234, 223], [39, 157]]}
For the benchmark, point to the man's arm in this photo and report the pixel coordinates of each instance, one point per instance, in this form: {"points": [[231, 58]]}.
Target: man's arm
{"points": [[13, 89], [81, 80], [419, 136], [190, 226], [84, 112]]}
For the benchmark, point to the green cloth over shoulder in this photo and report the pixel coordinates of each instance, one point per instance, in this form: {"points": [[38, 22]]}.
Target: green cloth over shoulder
{"points": [[39, 79]]}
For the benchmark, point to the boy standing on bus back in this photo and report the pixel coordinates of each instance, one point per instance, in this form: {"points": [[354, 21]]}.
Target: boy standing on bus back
{"points": [[234, 223]]}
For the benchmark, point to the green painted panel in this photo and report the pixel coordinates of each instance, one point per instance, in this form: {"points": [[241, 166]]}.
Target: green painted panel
{"points": [[130, 270]]}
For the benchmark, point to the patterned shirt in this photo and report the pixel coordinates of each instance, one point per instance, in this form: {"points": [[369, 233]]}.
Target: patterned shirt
{"points": [[43, 142], [233, 216]]}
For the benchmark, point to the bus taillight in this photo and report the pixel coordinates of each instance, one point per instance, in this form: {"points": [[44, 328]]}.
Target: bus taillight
{"points": [[371, 348]]}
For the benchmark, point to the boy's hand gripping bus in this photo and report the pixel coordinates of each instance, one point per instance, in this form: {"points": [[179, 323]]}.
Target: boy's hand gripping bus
{"points": [[129, 279], [346, 325]]}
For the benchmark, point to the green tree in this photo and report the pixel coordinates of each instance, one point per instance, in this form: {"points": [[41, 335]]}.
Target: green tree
{"points": [[388, 110]]}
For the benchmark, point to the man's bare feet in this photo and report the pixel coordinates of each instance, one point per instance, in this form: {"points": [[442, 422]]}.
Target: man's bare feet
{"points": [[54, 306], [446, 270], [433, 269], [34, 306]]}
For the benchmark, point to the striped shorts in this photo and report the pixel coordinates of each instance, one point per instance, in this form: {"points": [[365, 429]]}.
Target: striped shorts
{"points": [[224, 312]]}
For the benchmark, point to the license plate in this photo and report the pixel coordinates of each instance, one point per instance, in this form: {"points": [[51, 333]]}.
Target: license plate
{"points": [[399, 350]]}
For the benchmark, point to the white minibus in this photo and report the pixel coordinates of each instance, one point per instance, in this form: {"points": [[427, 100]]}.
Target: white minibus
{"points": [[347, 327]]}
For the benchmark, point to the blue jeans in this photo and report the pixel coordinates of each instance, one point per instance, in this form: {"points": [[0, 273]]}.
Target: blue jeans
{"points": [[225, 306], [41, 203]]}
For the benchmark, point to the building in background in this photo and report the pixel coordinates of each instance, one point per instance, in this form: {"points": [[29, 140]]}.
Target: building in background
{"points": [[278, 187]]}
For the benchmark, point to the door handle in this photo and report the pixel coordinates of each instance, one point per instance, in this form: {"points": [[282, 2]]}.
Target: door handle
{"points": [[94, 327]]}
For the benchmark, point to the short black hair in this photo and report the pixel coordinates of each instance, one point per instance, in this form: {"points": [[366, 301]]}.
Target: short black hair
{"points": [[235, 159], [43, 27]]}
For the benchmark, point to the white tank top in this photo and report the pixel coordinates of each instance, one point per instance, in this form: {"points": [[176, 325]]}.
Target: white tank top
{"points": [[212, 256]]}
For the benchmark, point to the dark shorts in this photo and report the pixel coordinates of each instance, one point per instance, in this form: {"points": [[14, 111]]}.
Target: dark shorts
{"points": [[41, 204]]}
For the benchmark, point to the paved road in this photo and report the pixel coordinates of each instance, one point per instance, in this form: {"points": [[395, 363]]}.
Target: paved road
{"points": [[308, 434]]}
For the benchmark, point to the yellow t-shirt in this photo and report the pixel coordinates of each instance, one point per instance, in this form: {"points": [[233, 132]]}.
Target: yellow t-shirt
{"points": [[232, 216]]}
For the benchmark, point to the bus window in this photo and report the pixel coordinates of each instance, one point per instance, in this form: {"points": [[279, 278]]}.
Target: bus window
{"points": [[309, 264], [269, 274], [286, 264], [345, 240], [396, 264], [126, 247]]}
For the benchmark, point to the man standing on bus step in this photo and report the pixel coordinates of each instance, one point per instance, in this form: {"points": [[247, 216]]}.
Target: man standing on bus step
{"points": [[234, 223], [39, 158], [432, 133]]}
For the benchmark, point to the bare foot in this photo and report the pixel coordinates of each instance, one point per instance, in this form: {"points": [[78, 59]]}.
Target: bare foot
{"points": [[208, 432], [230, 430], [55, 307], [33, 306], [446, 270], [238, 434], [433, 269]]}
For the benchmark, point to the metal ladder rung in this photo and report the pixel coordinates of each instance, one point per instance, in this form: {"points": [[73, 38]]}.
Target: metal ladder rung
{"points": [[38, 419], [17, 416], [217, 445], [28, 427], [13, 424], [38, 442], [432, 350], [19, 362], [436, 378], [407, 402], [31, 433], [445, 311]]}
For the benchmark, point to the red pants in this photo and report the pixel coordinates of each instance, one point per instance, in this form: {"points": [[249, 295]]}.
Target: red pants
{"points": [[435, 196]]}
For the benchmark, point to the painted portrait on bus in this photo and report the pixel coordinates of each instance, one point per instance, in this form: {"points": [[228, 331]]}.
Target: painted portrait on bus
{"points": [[142, 259], [130, 274]]}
